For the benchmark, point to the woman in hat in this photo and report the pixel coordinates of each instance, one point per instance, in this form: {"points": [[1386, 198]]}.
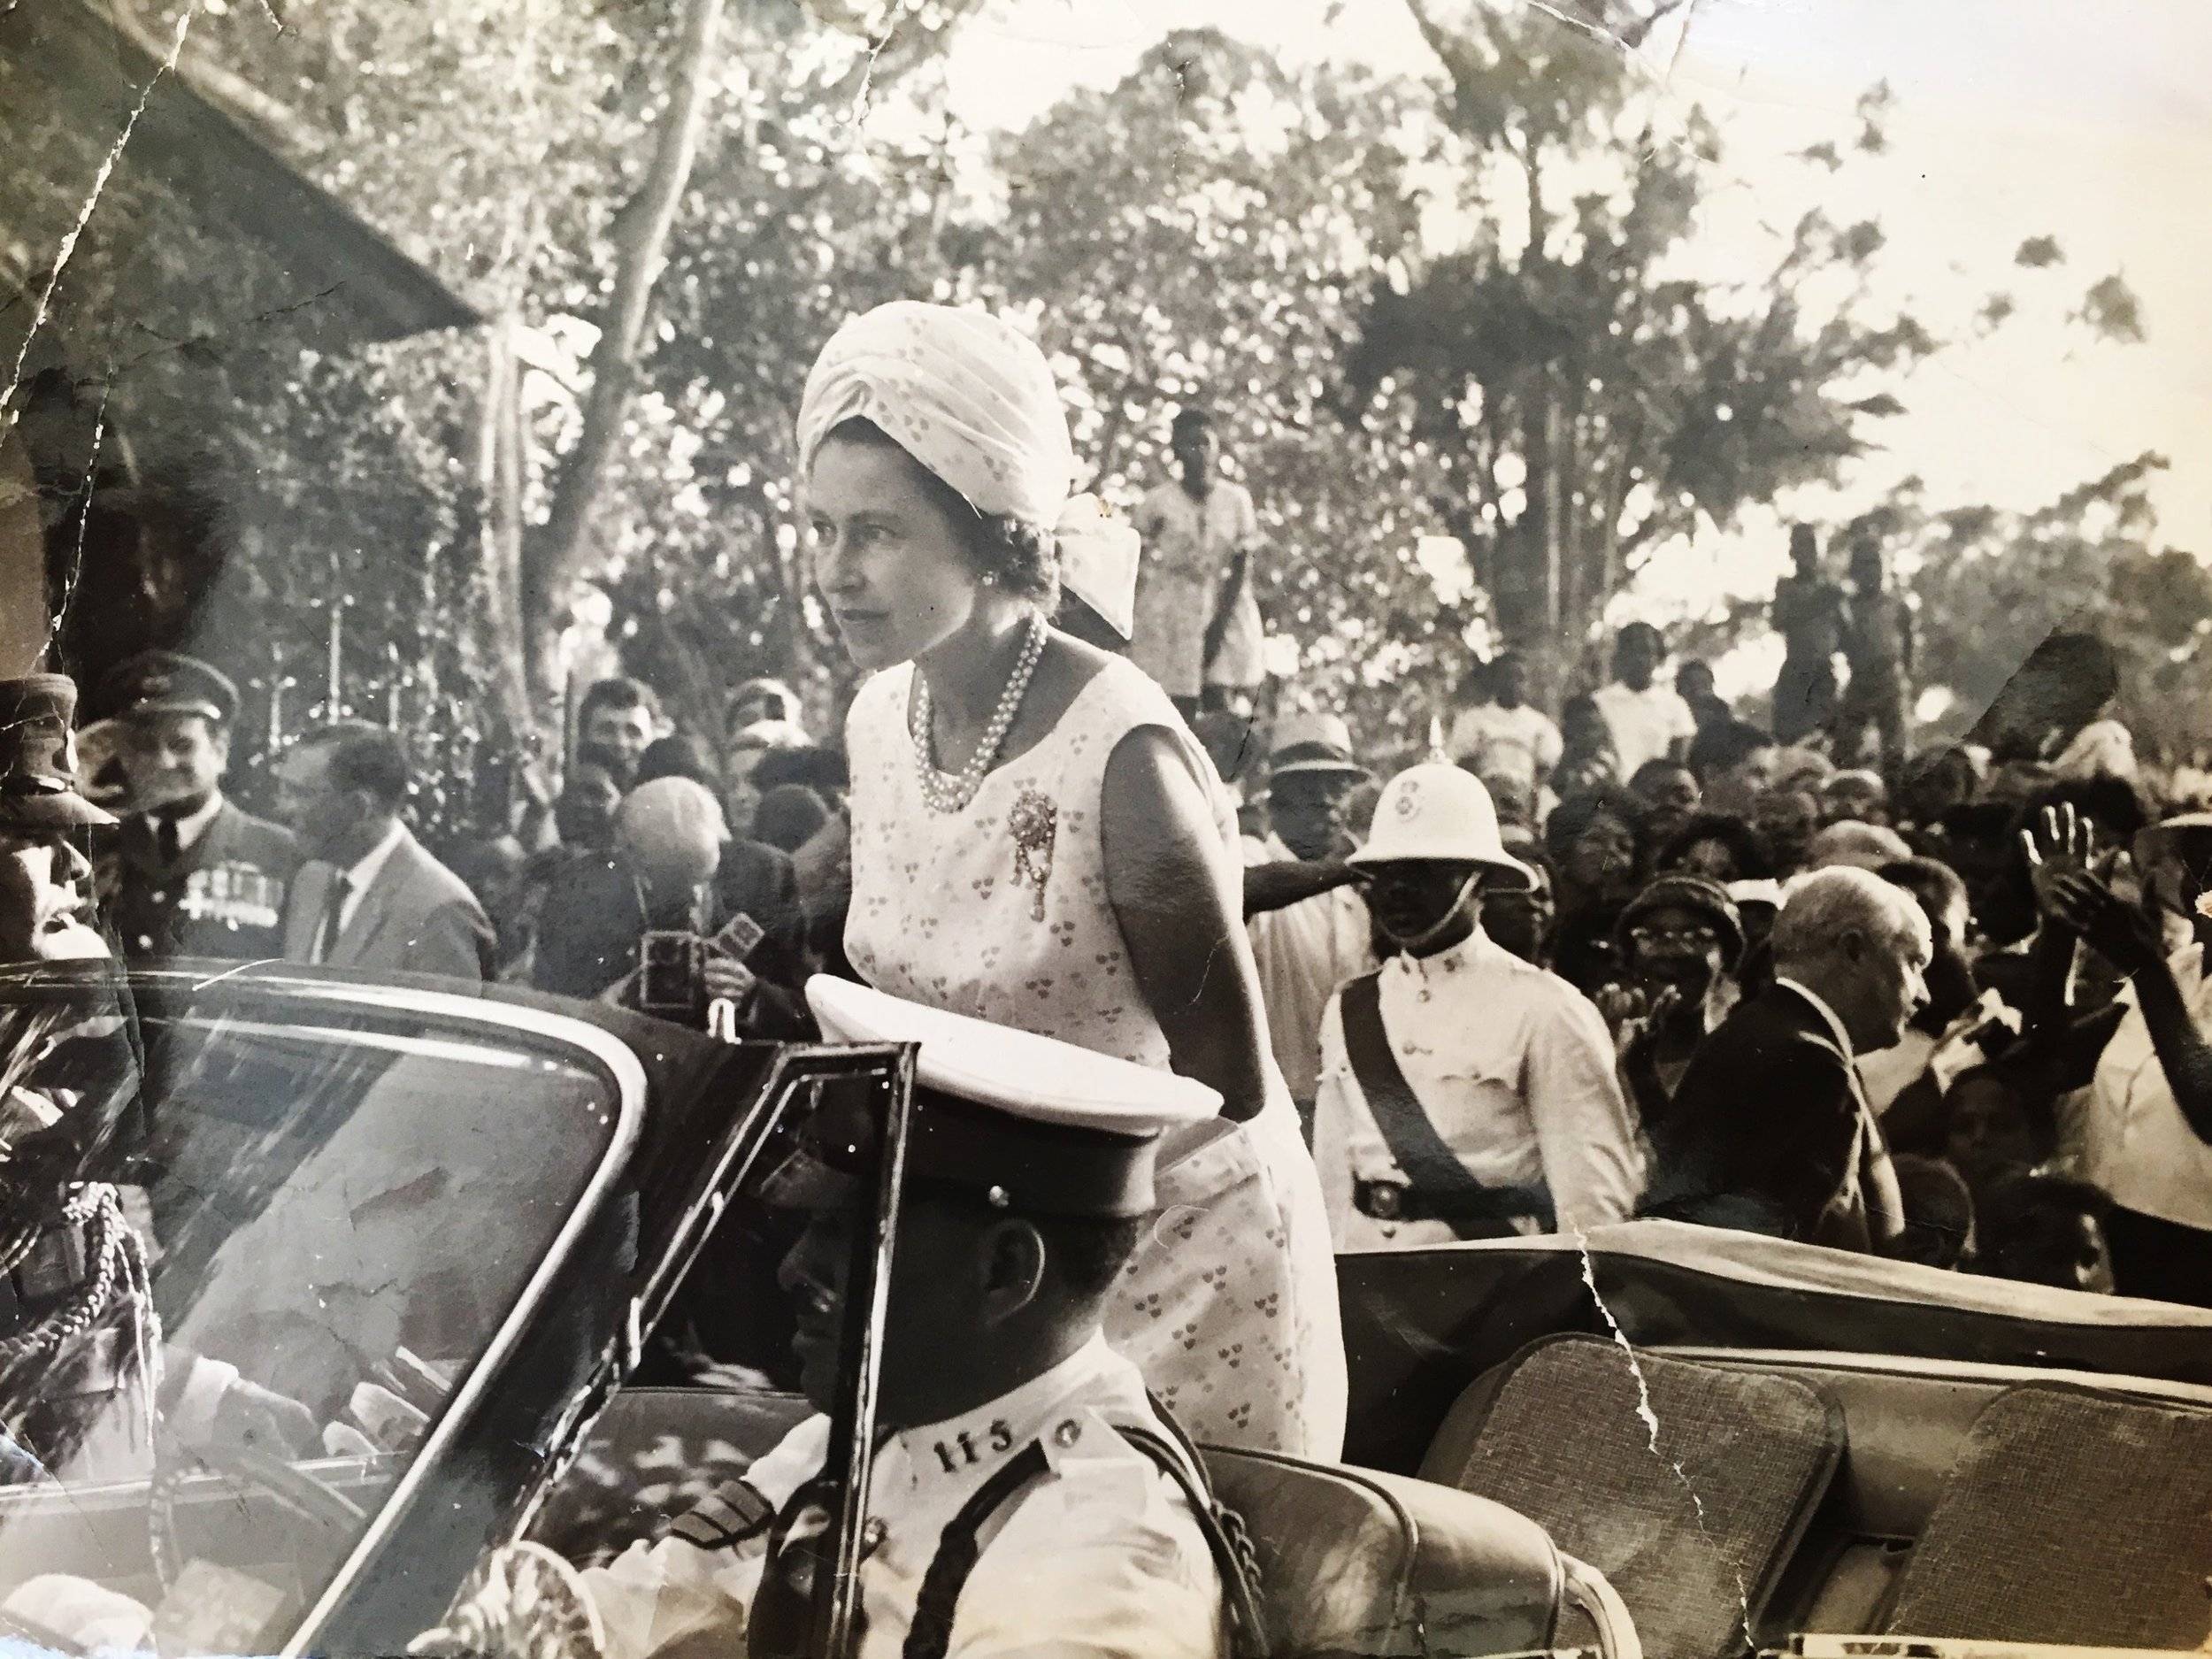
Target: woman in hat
{"points": [[1679, 940], [1038, 840]]}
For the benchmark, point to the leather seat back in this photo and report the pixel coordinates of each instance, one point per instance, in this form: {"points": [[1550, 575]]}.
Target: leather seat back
{"points": [[1687, 1486], [1355, 1564], [2069, 1517]]}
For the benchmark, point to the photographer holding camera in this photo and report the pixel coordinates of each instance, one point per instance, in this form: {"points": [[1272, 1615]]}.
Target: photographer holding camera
{"points": [[643, 927]]}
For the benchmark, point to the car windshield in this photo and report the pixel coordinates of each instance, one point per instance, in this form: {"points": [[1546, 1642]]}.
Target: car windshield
{"points": [[255, 1249]]}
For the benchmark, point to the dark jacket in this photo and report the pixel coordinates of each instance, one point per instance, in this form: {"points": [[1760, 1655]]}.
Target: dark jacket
{"points": [[592, 920], [761, 881], [224, 896], [1771, 1132]]}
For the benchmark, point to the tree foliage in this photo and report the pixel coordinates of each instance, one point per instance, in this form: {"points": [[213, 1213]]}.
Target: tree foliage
{"points": [[1991, 585], [1588, 399]]}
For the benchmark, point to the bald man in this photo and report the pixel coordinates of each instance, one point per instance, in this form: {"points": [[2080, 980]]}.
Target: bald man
{"points": [[659, 879], [1772, 1131]]}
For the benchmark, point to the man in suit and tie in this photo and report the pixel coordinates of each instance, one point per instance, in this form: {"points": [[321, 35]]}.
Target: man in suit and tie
{"points": [[194, 875], [1771, 1129], [371, 897]]}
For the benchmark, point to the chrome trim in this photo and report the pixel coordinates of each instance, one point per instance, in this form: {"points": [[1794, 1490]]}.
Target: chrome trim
{"points": [[628, 1076], [839, 1624]]}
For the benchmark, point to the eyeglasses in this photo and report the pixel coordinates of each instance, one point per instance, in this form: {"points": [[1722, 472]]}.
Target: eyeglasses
{"points": [[1691, 938]]}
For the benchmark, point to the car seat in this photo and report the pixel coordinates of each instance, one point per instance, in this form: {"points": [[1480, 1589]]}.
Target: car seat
{"points": [[1686, 1484], [2067, 1517], [1354, 1564]]}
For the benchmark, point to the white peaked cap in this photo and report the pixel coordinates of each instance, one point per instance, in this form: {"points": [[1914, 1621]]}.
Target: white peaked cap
{"points": [[1017, 1072]]}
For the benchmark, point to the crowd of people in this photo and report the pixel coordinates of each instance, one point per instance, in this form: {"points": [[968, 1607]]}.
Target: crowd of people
{"points": [[1651, 959]]}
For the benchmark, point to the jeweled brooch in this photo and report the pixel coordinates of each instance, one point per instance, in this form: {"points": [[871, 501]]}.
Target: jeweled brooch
{"points": [[1033, 821]]}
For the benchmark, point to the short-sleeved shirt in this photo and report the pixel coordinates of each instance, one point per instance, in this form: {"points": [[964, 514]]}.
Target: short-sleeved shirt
{"points": [[1646, 724], [1188, 544], [2136, 1145], [1513, 1066], [1303, 952], [1520, 743], [1097, 1558]]}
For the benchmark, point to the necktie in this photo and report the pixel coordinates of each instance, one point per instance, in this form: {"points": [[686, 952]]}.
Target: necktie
{"points": [[333, 908], [168, 844]]}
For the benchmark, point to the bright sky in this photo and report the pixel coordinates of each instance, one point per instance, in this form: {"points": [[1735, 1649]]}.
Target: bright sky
{"points": [[2079, 120]]}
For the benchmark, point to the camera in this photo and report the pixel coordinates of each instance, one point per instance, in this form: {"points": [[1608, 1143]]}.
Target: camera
{"points": [[671, 973]]}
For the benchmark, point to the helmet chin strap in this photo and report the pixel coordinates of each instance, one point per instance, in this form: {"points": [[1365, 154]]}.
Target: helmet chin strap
{"points": [[1435, 930]]}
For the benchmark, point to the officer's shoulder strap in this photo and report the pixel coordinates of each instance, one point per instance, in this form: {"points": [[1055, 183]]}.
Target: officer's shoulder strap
{"points": [[958, 1546], [1428, 1160], [1223, 1529]]}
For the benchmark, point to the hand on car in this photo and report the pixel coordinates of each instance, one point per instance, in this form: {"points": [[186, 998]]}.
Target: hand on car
{"points": [[258, 1419]]}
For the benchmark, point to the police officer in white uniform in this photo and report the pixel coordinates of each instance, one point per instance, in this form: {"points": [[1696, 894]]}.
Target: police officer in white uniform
{"points": [[1026, 1497], [1464, 1093]]}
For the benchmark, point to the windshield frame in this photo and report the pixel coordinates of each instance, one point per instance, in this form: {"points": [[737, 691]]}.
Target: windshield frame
{"points": [[602, 1052]]}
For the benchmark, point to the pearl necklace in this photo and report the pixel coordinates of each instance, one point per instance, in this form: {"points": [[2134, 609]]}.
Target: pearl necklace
{"points": [[947, 792]]}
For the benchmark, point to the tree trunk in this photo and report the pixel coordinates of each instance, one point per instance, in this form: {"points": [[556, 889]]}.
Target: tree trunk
{"points": [[499, 481], [552, 558]]}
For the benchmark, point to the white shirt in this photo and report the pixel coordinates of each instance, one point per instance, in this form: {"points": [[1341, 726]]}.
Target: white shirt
{"points": [[1100, 1556], [1304, 951], [1517, 744], [365, 870], [2136, 1145], [1644, 724], [1514, 1068]]}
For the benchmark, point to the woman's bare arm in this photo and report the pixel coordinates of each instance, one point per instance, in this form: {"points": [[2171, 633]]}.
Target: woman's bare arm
{"points": [[1181, 919]]}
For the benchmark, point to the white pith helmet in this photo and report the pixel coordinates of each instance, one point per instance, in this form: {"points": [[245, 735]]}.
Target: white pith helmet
{"points": [[1439, 812]]}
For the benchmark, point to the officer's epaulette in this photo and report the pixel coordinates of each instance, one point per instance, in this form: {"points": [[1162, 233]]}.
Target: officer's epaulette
{"points": [[732, 1513]]}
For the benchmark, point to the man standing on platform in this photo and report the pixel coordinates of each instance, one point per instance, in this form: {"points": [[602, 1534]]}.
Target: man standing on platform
{"points": [[1879, 645], [1647, 721], [1809, 613], [195, 875], [1198, 629]]}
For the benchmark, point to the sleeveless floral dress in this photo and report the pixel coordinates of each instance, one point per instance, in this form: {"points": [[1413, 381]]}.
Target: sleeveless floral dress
{"points": [[1229, 1306]]}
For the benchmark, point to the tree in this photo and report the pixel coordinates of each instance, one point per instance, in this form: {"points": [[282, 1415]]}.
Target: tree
{"points": [[1587, 401], [539, 157], [1991, 584], [1203, 232]]}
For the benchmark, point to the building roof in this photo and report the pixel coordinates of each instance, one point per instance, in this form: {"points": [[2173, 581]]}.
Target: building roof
{"points": [[364, 289]]}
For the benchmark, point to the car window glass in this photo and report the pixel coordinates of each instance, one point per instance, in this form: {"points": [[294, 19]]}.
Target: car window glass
{"points": [[334, 1214]]}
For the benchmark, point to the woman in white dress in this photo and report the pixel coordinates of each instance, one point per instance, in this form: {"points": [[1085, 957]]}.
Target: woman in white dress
{"points": [[1037, 840]]}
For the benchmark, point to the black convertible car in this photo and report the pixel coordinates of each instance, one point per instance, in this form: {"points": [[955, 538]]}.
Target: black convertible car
{"points": [[477, 1275]]}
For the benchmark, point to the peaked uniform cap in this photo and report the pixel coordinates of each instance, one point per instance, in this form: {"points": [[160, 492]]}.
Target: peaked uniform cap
{"points": [[38, 756], [1025, 1122], [1436, 810], [170, 682]]}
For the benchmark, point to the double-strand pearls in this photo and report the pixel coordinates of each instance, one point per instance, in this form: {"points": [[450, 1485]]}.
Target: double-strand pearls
{"points": [[947, 792]]}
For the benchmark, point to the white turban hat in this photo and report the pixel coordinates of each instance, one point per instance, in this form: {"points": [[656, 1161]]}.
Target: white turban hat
{"points": [[972, 398], [966, 393]]}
